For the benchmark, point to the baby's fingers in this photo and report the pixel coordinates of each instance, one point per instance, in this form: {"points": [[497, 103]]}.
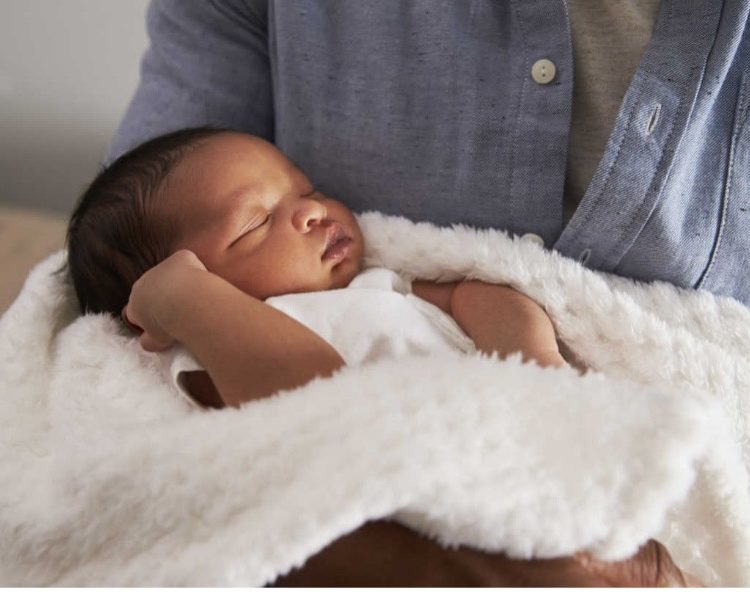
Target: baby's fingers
{"points": [[152, 343], [128, 323]]}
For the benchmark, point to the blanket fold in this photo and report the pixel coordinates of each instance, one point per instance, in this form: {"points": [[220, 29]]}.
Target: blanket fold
{"points": [[110, 479]]}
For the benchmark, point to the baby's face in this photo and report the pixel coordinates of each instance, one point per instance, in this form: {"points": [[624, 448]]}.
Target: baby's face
{"points": [[254, 219]]}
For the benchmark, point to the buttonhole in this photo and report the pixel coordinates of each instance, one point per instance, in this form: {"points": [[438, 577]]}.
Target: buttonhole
{"points": [[653, 118], [584, 256]]}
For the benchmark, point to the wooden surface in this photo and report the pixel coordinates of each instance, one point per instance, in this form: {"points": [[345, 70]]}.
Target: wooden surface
{"points": [[26, 237]]}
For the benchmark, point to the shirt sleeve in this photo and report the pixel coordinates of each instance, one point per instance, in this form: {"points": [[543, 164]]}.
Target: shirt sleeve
{"points": [[207, 64]]}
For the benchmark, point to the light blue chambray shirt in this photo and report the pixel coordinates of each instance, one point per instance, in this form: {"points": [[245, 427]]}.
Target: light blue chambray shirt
{"points": [[428, 109]]}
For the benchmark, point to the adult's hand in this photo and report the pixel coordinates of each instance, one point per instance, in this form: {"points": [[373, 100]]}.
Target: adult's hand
{"points": [[388, 554]]}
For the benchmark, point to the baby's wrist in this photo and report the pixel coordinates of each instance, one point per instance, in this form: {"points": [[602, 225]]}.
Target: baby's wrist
{"points": [[546, 357], [179, 297]]}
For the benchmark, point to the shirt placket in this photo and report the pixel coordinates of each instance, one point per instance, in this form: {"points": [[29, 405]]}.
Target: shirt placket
{"points": [[539, 144], [649, 126]]}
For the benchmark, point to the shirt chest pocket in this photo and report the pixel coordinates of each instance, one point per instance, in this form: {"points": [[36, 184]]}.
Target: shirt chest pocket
{"points": [[727, 271]]}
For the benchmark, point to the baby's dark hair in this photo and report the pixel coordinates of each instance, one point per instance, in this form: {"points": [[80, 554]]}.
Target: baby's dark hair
{"points": [[117, 231]]}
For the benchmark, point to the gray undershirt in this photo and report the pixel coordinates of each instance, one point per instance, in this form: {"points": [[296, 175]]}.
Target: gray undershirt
{"points": [[609, 38]]}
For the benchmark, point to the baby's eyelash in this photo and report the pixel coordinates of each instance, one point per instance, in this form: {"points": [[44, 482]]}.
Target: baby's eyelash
{"points": [[266, 219], [249, 229]]}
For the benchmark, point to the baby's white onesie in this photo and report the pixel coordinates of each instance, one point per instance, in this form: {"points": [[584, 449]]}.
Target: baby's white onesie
{"points": [[376, 316]]}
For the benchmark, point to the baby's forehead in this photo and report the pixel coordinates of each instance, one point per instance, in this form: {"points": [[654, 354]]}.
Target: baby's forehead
{"points": [[231, 168], [228, 152]]}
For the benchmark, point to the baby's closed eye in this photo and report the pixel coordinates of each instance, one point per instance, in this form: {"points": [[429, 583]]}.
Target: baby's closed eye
{"points": [[252, 226]]}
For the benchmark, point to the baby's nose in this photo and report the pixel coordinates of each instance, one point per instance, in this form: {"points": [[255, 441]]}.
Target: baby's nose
{"points": [[309, 213]]}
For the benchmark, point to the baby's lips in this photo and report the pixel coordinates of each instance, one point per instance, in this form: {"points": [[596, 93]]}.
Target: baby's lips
{"points": [[333, 234]]}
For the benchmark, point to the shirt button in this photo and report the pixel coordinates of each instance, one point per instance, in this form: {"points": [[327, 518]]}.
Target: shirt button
{"points": [[543, 71], [533, 238]]}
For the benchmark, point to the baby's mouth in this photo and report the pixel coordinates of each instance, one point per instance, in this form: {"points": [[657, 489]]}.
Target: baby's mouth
{"points": [[337, 243]]}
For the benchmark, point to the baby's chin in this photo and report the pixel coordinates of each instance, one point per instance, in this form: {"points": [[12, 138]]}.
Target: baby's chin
{"points": [[342, 277]]}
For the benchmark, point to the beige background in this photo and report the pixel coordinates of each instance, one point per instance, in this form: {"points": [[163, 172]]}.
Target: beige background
{"points": [[26, 237]]}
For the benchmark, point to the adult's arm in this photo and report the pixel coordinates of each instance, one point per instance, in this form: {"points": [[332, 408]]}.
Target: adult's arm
{"points": [[381, 554], [207, 64]]}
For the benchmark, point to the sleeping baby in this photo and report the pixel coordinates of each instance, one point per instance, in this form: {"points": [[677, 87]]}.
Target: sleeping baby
{"points": [[220, 252]]}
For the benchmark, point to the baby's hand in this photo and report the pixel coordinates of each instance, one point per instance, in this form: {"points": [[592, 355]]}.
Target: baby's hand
{"points": [[152, 296]]}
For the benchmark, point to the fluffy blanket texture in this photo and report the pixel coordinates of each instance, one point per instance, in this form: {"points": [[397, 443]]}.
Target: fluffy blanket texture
{"points": [[110, 479]]}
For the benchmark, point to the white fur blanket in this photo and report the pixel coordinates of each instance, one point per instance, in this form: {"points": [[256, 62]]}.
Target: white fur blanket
{"points": [[109, 479]]}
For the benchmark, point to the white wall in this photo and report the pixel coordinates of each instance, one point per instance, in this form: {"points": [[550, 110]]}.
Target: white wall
{"points": [[67, 71]]}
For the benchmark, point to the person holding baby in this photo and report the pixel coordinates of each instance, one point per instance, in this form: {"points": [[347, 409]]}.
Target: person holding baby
{"points": [[469, 113]]}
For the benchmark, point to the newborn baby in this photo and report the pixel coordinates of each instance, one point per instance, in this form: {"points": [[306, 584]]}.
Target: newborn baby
{"points": [[188, 235]]}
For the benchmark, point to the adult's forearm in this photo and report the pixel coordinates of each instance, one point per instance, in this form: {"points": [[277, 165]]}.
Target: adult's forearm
{"points": [[249, 349], [389, 554]]}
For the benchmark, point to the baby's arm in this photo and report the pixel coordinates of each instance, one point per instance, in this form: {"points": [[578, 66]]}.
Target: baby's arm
{"points": [[504, 320], [497, 318], [249, 349]]}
